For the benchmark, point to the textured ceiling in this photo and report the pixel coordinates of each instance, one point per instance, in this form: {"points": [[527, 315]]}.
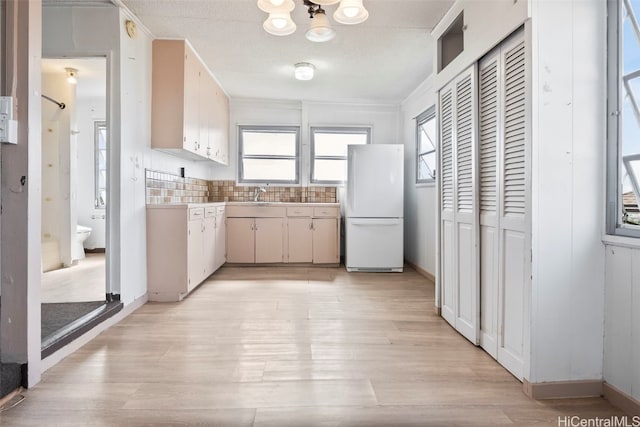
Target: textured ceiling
{"points": [[381, 60]]}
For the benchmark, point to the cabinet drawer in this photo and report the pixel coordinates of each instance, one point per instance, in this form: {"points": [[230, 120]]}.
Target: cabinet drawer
{"points": [[209, 211], [326, 212], [256, 212], [220, 210], [196, 213], [299, 211]]}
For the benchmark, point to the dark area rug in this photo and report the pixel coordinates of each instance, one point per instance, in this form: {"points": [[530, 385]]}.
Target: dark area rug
{"points": [[56, 315]]}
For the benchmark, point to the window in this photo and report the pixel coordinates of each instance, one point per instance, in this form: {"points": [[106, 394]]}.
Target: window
{"points": [[623, 153], [269, 154], [426, 146], [100, 144], [329, 151]]}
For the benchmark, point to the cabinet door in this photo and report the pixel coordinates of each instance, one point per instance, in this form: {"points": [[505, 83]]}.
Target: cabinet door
{"points": [[325, 241], [300, 240], [221, 238], [240, 240], [195, 258], [209, 246], [268, 241], [220, 124], [205, 101], [191, 101]]}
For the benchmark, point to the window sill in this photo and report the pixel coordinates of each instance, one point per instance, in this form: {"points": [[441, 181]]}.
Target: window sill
{"points": [[621, 241], [425, 184]]}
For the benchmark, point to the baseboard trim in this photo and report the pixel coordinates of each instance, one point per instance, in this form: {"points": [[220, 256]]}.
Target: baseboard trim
{"points": [[562, 389], [622, 400], [422, 271]]}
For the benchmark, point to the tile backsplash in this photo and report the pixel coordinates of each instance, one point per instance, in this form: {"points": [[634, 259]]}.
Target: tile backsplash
{"points": [[164, 188], [229, 191]]}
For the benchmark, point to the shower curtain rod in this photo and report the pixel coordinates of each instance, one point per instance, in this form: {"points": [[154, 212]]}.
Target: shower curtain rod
{"points": [[59, 104]]}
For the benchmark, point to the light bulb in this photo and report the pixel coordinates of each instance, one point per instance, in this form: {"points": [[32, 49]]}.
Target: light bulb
{"points": [[350, 12], [72, 75], [279, 23]]}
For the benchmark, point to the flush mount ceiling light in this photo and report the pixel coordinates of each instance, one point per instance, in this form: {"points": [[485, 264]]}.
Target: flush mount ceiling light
{"points": [[72, 75], [279, 21], [304, 71]]}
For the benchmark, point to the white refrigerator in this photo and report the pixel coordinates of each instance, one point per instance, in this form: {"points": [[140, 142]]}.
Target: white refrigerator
{"points": [[375, 208]]}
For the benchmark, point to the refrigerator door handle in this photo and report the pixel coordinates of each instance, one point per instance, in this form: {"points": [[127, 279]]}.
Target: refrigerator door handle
{"points": [[384, 222]]}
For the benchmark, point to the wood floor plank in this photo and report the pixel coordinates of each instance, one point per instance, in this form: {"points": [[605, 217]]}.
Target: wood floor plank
{"points": [[288, 346], [266, 394]]}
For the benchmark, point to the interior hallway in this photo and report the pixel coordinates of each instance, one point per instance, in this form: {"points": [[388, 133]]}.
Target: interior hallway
{"points": [[288, 346]]}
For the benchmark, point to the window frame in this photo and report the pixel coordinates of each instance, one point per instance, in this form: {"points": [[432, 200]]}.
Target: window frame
{"points": [[614, 202], [425, 116], [97, 126], [268, 129], [354, 130]]}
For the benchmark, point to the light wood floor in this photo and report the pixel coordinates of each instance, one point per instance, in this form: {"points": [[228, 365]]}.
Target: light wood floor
{"points": [[82, 282], [288, 347]]}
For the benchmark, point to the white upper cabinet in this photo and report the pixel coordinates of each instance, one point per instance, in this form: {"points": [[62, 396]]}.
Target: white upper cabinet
{"points": [[190, 112]]}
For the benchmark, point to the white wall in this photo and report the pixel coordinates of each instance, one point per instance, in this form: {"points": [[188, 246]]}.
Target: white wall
{"points": [[21, 192], [487, 23], [622, 319], [420, 199], [384, 120], [568, 134], [55, 131], [89, 110]]}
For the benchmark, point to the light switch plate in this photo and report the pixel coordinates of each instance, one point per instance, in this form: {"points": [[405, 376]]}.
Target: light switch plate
{"points": [[8, 126]]}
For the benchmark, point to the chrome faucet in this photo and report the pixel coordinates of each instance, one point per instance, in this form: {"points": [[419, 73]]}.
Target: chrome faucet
{"points": [[256, 194]]}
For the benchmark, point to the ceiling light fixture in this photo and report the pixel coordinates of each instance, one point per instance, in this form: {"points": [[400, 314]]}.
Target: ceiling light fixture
{"points": [[279, 21], [304, 71], [72, 75]]}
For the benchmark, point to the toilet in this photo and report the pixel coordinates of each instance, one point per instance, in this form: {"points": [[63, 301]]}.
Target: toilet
{"points": [[82, 233]]}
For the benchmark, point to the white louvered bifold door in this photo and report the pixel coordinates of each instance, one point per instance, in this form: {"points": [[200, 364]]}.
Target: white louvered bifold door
{"points": [[459, 227], [505, 243], [489, 121], [514, 206], [447, 272]]}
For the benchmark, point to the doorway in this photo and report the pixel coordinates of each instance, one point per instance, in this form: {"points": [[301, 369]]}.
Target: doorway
{"points": [[74, 187]]}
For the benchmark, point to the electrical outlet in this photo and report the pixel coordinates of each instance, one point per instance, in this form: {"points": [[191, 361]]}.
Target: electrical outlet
{"points": [[8, 126]]}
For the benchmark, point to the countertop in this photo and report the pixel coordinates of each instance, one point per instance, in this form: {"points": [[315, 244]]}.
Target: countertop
{"points": [[201, 205]]}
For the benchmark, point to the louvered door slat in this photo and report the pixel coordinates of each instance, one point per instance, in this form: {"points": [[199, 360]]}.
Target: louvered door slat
{"points": [[488, 137], [446, 118], [464, 127], [514, 132]]}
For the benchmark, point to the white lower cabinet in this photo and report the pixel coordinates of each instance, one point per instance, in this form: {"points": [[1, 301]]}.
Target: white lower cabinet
{"points": [[269, 234], [300, 237], [181, 249], [268, 240], [254, 240], [240, 241], [326, 241], [220, 256]]}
